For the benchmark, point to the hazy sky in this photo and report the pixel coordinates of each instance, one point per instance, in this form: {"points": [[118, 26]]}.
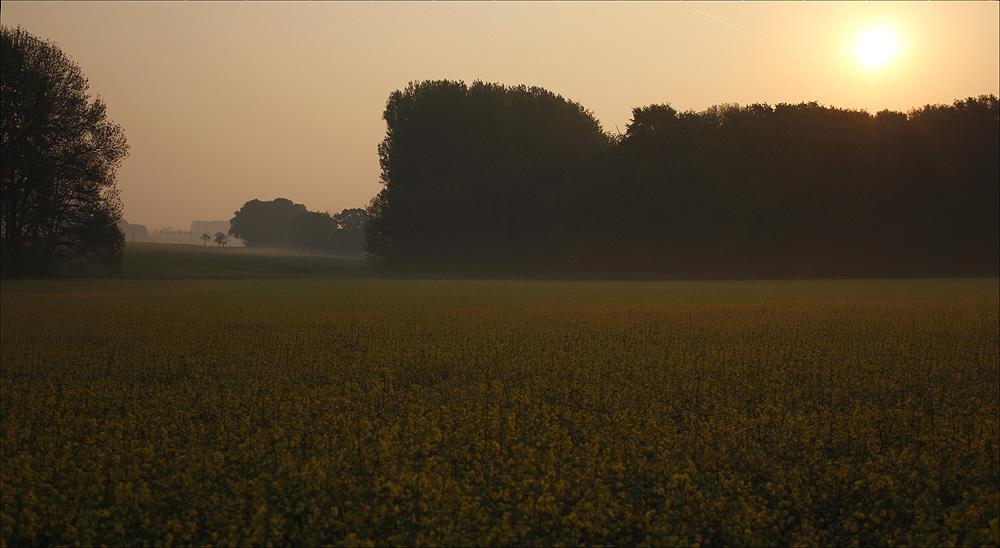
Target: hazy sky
{"points": [[226, 102]]}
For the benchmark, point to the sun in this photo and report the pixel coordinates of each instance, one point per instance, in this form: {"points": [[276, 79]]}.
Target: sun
{"points": [[876, 47]]}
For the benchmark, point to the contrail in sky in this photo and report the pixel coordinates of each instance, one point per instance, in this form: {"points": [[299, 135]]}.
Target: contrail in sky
{"points": [[734, 27]]}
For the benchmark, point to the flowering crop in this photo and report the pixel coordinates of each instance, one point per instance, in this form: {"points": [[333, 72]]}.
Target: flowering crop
{"points": [[372, 412]]}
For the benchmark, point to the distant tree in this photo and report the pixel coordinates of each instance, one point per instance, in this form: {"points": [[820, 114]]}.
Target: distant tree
{"points": [[133, 232], [205, 238], [351, 225], [265, 224], [340, 234], [313, 232], [378, 246], [221, 239], [60, 154], [209, 227]]}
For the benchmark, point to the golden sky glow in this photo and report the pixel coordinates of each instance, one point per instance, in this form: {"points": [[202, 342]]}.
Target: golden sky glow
{"points": [[230, 101]]}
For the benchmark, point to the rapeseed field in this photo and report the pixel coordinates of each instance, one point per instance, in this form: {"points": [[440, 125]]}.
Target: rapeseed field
{"points": [[376, 412]]}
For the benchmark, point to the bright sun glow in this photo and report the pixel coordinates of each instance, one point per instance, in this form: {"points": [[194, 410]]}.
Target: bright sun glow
{"points": [[876, 47]]}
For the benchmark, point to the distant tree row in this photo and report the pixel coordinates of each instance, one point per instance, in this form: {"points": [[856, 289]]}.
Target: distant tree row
{"points": [[282, 224], [488, 180], [169, 235]]}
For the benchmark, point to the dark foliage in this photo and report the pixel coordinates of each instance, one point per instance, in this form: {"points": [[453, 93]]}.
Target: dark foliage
{"points": [[811, 191], [265, 224], [481, 179], [59, 205], [349, 238], [312, 231], [496, 181], [283, 224], [341, 234]]}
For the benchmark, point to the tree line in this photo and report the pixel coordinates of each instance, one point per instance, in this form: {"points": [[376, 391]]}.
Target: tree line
{"points": [[283, 224], [490, 180]]}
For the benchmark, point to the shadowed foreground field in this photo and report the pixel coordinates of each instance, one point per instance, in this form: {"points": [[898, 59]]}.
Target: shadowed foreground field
{"points": [[354, 412]]}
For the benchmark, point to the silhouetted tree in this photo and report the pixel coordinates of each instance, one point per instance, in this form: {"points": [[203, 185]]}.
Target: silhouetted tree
{"points": [[477, 179], [221, 239], [378, 240], [205, 239], [265, 224], [59, 203], [133, 232], [313, 232], [350, 231], [340, 234]]}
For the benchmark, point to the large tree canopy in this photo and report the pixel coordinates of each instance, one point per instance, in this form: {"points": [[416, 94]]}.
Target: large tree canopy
{"points": [[59, 202], [265, 224], [471, 175]]}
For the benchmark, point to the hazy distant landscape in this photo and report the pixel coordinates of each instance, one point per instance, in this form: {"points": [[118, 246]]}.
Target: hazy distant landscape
{"points": [[135, 232]]}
